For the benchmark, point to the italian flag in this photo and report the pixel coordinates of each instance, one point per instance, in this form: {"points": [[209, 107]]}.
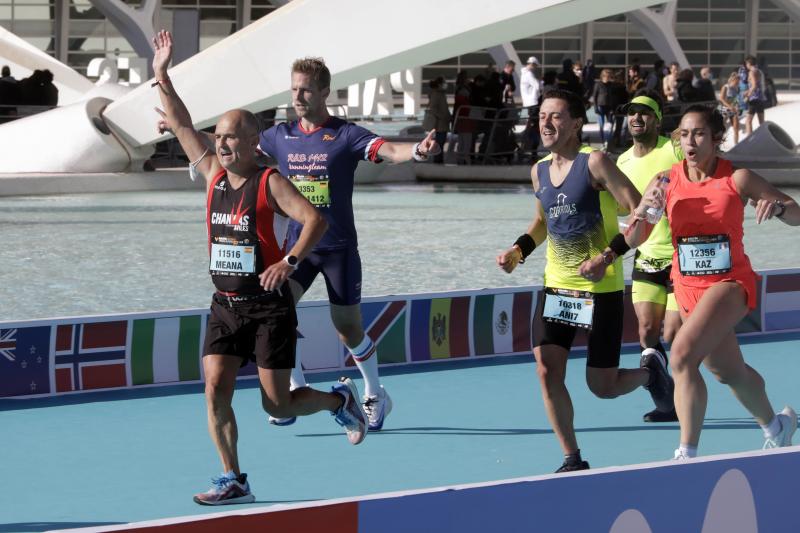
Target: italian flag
{"points": [[165, 350]]}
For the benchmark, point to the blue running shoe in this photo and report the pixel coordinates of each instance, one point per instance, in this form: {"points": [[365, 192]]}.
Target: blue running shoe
{"points": [[225, 490], [351, 414]]}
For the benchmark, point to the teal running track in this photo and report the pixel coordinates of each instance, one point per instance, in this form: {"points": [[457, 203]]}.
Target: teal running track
{"points": [[116, 457]]}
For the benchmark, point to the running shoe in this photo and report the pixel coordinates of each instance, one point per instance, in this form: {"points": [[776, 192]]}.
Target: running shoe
{"points": [[661, 386], [225, 490], [788, 419], [351, 414], [574, 467], [377, 409], [680, 455], [661, 416], [282, 421]]}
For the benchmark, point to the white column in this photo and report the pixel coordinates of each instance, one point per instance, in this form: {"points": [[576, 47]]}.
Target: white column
{"points": [[659, 30], [61, 30], [244, 9], [136, 25], [587, 41], [506, 52]]}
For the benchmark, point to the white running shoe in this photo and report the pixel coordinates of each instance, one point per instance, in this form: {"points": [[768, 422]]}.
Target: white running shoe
{"points": [[377, 409], [351, 414], [282, 421], [680, 455], [788, 419]]}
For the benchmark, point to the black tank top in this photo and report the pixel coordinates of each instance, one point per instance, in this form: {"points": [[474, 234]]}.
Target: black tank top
{"points": [[245, 235]]}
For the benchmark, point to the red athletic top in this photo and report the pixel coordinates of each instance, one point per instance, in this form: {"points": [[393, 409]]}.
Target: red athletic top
{"points": [[707, 209], [245, 235]]}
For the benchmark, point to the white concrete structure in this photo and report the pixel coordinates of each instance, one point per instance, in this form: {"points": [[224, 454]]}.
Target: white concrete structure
{"points": [[252, 66]]}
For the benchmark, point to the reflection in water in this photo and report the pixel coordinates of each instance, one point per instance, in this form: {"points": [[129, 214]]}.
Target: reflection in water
{"points": [[109, 253]]}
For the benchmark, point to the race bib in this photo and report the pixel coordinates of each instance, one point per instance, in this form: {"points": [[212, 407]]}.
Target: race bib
{"points": [[651, 265], [573, 308], [316, 189], [705, 255], [231, 257]]}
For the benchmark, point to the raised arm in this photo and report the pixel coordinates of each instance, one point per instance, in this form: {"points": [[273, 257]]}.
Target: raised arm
{"points": [[294, 205], [534, 236], [400, 152], [176, 115], [769, 201]]}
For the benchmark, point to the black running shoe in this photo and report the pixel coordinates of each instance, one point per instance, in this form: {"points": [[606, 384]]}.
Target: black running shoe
{"points": [[661, 386], [574, 467], [661, 416]]}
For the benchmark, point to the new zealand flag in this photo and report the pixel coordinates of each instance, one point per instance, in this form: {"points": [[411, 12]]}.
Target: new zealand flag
{"points": [[24, 361]]}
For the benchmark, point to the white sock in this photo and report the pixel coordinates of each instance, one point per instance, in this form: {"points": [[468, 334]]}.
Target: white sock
{"points": [[688, 450], [297, 379], [366, 357], [772, 429]]}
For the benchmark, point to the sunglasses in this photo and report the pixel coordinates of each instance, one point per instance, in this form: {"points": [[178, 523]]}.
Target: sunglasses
{"points": [[642, 110]]}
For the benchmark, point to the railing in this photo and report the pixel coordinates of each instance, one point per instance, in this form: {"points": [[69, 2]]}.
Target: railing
{"points": [[494, 131]]}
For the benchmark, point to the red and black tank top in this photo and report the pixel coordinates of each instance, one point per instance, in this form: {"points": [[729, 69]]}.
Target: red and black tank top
{"points": [[245, 235]]}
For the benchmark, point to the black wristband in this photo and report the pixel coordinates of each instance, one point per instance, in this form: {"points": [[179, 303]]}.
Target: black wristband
{"points": [[526, 245], [618, 245]]}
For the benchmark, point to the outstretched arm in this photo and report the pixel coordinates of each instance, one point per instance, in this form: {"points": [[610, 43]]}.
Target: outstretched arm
{"points": [[295, 206], [400, 152], [769, 201], [175, 112]]}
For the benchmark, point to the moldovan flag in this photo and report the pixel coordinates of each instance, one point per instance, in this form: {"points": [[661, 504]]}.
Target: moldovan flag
{"points": [[90, 356], [501, 323], [166, 350], [440, 328]]}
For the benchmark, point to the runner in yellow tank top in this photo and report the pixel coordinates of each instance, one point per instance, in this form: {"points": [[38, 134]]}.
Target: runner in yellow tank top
{"points": [[652, 295], [579, 191]]}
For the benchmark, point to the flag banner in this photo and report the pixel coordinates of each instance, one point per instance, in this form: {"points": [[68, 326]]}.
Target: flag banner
{"points": [[166, 350], [782, 302], [90, 356], [25, 361], [385, 324], [440, 328], [502, 323]]}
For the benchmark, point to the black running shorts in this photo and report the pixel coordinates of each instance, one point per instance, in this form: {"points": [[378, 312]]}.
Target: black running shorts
{"points": [[605, 337], [264, 331]]}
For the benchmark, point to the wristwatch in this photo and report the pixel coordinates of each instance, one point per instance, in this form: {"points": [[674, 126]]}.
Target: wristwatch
{"points": [[291, 260], [608, 258]]}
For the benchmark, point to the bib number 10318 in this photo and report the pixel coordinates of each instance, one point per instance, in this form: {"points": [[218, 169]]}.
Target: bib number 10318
{"points": [[573, 308]]}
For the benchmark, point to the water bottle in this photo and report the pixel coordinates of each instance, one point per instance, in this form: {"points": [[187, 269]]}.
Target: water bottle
{"points": [[654, 214]]}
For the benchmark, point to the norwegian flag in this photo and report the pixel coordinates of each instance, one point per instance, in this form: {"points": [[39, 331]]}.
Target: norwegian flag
{"points": [[90, 356]]}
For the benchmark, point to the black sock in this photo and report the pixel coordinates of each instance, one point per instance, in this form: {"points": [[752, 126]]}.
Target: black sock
{"points": [[573, 458]]}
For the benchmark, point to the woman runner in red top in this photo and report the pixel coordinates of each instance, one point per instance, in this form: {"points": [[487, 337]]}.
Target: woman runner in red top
{"points": [[715, 285]]}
